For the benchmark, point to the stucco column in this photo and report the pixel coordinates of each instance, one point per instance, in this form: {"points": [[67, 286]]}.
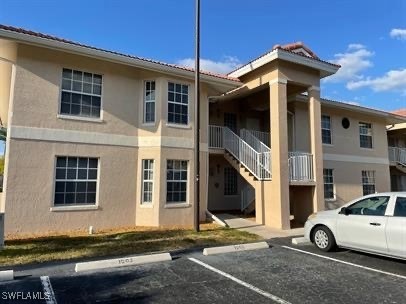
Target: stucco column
{"points": [[276, 192], [316, 147]]}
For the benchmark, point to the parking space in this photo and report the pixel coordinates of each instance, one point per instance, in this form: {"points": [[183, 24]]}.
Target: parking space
{"points": [[275, 275]]}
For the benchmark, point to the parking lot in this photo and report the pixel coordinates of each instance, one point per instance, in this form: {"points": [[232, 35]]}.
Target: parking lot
{"points": [[282, 274]]}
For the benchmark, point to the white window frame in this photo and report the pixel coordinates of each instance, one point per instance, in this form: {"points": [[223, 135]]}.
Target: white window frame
{"points": [[368, 180], [76, 180], [177, 124], [370, 134], [330, 183], [82, 93], [185, 181], [149, 180], [150, 101], [330, 130]]}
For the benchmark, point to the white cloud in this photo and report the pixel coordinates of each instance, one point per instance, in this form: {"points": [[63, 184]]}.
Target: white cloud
{"points": [[394, 80], [353, 62], [398, 34], [228, 64]]}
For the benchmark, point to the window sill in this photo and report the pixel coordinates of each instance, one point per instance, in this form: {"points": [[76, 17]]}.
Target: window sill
{"points": [[80, 118], [179, 126], [367, 149], [330, 200], [146, 206], [74, 208], [328, 145], [176, 205], [148, 124]]}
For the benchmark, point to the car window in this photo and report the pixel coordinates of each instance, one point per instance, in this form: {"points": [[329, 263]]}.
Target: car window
{"points": [[375, 205], [400, 207]]}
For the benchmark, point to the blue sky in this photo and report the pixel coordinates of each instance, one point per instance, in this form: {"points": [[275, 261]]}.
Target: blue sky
{"points": [[367, 37]]}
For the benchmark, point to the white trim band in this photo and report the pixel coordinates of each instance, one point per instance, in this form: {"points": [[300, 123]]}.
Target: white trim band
{"points": [[356, 159], [96, 138]]}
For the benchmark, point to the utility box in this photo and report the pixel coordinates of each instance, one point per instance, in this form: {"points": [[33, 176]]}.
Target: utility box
{"points": [[2, 230]]}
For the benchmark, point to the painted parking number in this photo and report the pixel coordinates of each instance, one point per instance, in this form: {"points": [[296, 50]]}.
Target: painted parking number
{"points": [[125, 261], [239, 247]]}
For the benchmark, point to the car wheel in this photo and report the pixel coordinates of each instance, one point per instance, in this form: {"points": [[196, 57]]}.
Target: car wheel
{"points": [[323, 238]]}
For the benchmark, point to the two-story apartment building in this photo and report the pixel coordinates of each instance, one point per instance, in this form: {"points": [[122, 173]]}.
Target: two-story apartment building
{"points": [[102, 139]]}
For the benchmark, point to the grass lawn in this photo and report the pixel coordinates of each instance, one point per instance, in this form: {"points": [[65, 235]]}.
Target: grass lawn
{"points": [[124, 242]]}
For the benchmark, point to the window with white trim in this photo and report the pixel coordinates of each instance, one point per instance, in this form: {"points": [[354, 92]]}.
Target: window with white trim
{"points": [[149, 101], [75, 180], [365, 135], [176, 181], [81, 93], [230, 181], [147, 180], [326, 129], [328, 184], [178, 103], [368, 182]]}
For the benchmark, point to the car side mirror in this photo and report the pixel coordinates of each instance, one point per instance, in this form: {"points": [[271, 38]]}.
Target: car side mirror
{"points": [[344, 211]]}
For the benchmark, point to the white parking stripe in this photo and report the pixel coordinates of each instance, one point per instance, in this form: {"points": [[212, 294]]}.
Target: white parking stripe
{"points": [[49, 292], [347, 263], [245, 284]]}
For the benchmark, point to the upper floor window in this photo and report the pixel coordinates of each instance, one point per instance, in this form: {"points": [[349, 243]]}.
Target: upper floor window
{"points": [[149, 101], [81, 93], [178, 102], [75, 180], [365, 135], [326, 129], [368, 182]]}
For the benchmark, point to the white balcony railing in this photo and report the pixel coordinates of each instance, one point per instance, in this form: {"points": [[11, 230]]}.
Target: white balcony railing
{"points": [[265, 137], [397, 155], [255, 162], [216, 134], [249, 137], [300, 167]]}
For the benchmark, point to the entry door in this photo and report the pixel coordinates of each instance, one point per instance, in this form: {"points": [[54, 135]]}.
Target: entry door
{"points": [[230, 120], [364, 226], [396, 229]]}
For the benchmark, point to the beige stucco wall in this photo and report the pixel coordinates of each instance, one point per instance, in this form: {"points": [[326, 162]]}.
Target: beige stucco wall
{"points": [[348, 180], [8, 55], [30, 188], [36, 104]]}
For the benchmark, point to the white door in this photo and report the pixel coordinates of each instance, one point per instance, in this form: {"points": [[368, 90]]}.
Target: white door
{"points": [[396, 229], [363, 226]]}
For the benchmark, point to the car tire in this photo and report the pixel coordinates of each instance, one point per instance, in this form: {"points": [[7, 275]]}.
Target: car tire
{"points": [[323, 238]]}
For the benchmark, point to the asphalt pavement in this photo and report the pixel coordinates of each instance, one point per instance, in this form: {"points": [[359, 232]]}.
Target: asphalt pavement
{"points": [[281, 274]]}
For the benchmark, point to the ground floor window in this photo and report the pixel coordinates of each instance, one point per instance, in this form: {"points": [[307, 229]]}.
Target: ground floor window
{"points": [[147, 180], [368, 182], [75, 180], [328, 184], [176, 181], [230, 181]]}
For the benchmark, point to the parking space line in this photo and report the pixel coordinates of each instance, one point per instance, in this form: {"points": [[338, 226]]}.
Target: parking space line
{"points": [[245, 284], [49, 292], [347, 263]]}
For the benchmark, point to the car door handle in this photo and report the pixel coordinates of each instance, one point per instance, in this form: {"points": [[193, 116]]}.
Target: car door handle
{"points": [[375, 224]]}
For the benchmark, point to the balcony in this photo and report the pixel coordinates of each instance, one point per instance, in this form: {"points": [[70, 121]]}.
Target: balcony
{"points": [[300, 163], [397, 155]]}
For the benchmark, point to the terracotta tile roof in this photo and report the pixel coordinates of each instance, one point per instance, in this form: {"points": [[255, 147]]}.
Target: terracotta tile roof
{"points": [[291, 47], [54, 38], [401, 112]]}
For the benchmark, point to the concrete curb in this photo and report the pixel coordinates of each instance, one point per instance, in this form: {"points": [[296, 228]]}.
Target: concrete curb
{"points": [[6, 275], [300, 241], [121, 262], [234, 248], [216, 219]]}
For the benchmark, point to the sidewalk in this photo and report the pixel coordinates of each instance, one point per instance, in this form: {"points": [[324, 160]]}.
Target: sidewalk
{"points": [[239, 223]]}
